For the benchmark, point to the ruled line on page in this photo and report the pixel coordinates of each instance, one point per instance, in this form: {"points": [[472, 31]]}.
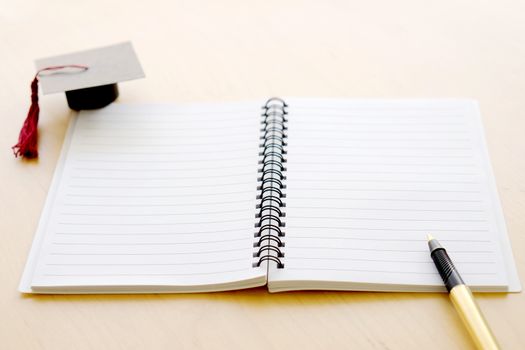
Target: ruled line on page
{"points": [[376, 147], [380, 138], [149, 112], [66, 204], [164, 145], [142, 178], [214, 231], [120, 128], [313, 217], [149, 134], [453, 200], [156, 195], [391, 109], [429, 229], [385, 250], [186, 152], [389, 239], [153, 253], [343, 120], [117, 161], [345, 162], [141, 274], [185, 136], [114, 186], [383, 155], [153, 121], [193, 169], [410, 181], [149, 264], [155, 214], [319, 130], [177, 117], [140, 244], [352, 171], [381, 107], [391, 209], [388, 271], [456, 261], [383, 190], [200, 222]]}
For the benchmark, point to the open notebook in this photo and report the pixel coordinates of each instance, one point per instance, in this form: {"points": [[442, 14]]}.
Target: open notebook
{"points": [[298, 194]]}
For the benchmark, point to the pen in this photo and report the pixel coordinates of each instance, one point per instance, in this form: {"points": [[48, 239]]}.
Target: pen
{"points": [[462, 297]]}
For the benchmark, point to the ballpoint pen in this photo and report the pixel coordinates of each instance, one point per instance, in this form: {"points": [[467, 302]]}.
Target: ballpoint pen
{"points": [[462, 297]]}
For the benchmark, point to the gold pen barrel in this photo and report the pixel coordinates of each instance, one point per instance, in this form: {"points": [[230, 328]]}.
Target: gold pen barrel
{"points": [[471, 316]]}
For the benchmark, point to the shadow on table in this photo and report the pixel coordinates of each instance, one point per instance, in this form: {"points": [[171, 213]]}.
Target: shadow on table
{"points": [[259, 297]]}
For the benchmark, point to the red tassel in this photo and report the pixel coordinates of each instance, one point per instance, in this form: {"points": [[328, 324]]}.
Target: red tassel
{"points": [[27, 145]]}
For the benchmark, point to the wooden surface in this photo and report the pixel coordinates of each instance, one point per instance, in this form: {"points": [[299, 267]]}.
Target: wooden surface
{"points": [[232, 50]]}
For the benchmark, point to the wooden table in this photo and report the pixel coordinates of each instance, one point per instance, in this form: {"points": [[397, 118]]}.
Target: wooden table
{"points": [[233, 50]]}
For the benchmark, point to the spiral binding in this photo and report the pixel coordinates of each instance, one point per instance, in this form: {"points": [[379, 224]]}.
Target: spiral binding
{"points": [[271, 189]]}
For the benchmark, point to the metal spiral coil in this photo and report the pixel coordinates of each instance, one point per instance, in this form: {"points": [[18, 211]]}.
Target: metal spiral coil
{"points": [[271, 189]]}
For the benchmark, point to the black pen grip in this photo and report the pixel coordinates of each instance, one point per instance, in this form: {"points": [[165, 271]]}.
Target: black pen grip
{"points": [[446, 268]]}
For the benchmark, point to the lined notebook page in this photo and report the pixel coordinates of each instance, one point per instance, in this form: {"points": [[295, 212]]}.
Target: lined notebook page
{"points": [[153, 196], [367, 180]]}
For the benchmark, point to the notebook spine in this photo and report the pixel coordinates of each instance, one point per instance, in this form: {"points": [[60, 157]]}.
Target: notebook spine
{"points": [[270, 211]]}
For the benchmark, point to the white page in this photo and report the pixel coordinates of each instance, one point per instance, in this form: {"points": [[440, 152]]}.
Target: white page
{"points": [[150, 197], [367, 180]]}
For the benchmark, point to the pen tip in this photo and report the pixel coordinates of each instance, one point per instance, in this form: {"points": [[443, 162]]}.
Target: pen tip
{"points": [[429, 237]]}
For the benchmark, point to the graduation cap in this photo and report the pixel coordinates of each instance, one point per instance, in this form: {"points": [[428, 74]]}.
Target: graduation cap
{"points": [[89, 79]]}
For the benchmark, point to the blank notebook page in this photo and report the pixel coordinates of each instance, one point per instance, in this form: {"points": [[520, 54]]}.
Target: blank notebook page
{"points": [[152, 196], [367, 180]]}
